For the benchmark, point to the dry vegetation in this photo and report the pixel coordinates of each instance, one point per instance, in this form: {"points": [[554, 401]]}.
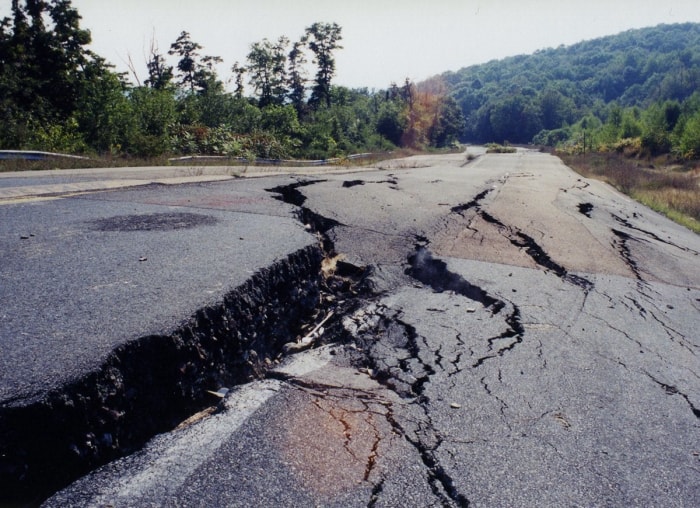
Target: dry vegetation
{"points": [[671, 189]]}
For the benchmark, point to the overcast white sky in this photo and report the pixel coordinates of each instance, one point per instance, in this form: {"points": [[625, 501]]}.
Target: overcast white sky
{"points": [[383, 40]]}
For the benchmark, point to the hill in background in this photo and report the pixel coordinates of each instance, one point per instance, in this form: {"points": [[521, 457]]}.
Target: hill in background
{"points": [[528, 97]]}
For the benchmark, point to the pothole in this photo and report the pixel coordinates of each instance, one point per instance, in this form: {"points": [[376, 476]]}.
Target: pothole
{"points": [[585, 209]]}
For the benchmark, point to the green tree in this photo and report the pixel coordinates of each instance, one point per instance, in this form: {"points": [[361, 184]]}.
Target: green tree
{"points": [[689, 143], [391, 122], [196, 72], [556, 109], [267, 70], [104, 113], [187, 66], [155, 114], [515, 119], [238, 74], [160, 74], [655, 134], [42, 60], [296, 80], [448, 125], [323, 39]]}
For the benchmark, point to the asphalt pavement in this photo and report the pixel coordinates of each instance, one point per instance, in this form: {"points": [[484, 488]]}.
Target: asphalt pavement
{"points": [[530, 339]]}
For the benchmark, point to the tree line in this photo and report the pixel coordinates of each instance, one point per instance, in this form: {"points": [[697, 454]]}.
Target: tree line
{"points": [[57, 95], [640, 84]]}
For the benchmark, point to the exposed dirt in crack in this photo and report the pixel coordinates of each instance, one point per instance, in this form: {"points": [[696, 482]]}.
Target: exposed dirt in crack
{"points": [[585, 209], [621, 244]]}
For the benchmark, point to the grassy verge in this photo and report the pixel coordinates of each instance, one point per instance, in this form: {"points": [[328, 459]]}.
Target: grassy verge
{"points": [[673, 190]]}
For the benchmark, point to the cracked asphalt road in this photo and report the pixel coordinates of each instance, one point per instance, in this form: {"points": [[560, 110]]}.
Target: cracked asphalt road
{"points": [[531, 340]]}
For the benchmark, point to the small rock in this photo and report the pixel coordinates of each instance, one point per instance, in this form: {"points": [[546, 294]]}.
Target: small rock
{"points": [[471, 309], [142, 258], [454, 405]]}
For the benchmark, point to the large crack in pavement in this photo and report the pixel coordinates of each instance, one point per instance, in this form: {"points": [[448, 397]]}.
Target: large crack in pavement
{"points": [[536, 252], [151, 384], [390, 351], [394, 352], [341, 306]]}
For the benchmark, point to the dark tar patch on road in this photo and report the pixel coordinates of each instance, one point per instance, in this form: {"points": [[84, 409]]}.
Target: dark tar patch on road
{"points": [[153, 222]]}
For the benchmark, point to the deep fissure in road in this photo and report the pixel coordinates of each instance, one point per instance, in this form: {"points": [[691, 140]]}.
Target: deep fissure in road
{"points": [[536, 252], [153, 383], [434, 273]]}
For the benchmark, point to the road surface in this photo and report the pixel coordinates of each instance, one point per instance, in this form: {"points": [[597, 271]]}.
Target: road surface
{"points": [[522, 336]]}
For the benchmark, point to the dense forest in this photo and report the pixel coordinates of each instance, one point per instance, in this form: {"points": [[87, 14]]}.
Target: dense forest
{"points": [[637, 90], [57, 95]]}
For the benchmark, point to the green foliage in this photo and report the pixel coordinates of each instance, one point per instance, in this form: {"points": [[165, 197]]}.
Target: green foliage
{"points": [[104, 114], [196, 72], [323, 39], [496, 148], [391, 123], [516, 98], [42, 61], [267, 70], [449, 124], [56, 95], [689, 142], [65, 138], [155, 114], [296, 77], [160, 74]]}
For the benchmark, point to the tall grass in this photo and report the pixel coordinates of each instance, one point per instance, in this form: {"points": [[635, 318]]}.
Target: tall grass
{"points": [[668, 189]]}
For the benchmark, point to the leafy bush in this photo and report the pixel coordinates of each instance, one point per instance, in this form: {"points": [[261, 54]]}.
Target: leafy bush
{"points": [[689, 145]]}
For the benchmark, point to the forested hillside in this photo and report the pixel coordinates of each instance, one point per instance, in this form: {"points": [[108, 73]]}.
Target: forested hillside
{"points": [[637, 84], [57, 95]]}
